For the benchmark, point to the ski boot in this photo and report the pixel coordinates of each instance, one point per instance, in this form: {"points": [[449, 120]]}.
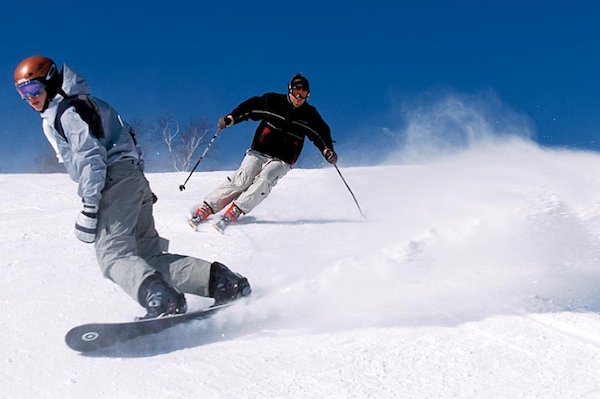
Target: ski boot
{"points": [[226, 286], [159, 298], [232, 214], [202, 214]]}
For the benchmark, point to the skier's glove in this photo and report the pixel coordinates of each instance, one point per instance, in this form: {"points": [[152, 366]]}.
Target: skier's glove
{"points": [[225, 121], [330, 155], [87, 223]]}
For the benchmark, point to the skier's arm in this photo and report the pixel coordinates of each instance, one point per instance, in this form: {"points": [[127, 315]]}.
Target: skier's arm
{"points": [[242, 113], [319, 133], [250, 109]]}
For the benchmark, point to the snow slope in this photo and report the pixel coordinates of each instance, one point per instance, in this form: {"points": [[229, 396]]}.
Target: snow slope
{"points": [[474, 275]]}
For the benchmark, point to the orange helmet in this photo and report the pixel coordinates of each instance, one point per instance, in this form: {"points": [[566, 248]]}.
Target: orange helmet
{"points": [[36, 67]]}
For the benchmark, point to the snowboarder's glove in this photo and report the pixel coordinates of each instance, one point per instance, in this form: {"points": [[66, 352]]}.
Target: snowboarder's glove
{"points": [[87, 223], [225, 121], [330, 155]]}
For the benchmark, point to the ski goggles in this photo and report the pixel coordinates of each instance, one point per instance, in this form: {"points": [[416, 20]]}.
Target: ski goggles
{"points": [[33, 88], [298, 90]]}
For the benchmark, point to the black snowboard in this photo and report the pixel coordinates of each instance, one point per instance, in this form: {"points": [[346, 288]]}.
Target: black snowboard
{"points": [[89, 337]]}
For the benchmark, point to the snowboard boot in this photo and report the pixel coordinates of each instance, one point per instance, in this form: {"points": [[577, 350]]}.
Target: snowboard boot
{"points": [[226, 286], [159, 298], [232, 214], [202, 214]]}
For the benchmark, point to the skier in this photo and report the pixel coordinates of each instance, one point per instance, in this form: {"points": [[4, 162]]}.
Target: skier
{"points": [[285, 122], [100, 152]]}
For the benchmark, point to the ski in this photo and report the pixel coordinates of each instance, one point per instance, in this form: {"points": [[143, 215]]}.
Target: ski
{"points": [[89, 337], [220, 225], [193, 224]]}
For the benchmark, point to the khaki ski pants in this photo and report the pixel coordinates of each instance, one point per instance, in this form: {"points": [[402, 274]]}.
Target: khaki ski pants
{"points": [[251, 184]]}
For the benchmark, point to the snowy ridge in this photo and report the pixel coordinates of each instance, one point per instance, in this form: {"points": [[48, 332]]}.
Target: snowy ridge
{"points": [[474, 275]]}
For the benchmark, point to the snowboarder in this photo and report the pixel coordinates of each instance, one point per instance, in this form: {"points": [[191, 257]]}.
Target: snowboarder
{"points": [[100, 152], [286, 120]]}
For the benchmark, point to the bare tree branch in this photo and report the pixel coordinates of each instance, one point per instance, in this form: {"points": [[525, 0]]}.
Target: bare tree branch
{"points": [[182, 143], [167, 127], [195, 134]]}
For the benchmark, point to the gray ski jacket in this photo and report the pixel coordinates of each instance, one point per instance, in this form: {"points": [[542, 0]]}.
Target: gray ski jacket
{"points": [[87, 153]]}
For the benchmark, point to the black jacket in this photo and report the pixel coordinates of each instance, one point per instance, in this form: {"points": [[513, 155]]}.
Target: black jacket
{"points": [[283, 127]]}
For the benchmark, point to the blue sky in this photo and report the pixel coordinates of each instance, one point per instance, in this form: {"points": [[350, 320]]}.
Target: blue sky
{"points": [[365, 62]]}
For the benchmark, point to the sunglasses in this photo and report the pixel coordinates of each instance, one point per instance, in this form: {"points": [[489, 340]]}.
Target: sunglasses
{"points": [[33, 88], [297, 91]]}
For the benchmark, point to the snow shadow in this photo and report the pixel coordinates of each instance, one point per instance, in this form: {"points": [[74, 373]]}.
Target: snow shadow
{"points": [[249, 220]]}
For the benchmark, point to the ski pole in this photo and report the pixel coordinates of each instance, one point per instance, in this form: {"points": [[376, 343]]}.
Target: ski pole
{"points": [[182, 187], [348, 187]]}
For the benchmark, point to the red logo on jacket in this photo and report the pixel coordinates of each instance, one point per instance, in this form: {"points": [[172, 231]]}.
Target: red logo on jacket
{"points": [[265, 131]]}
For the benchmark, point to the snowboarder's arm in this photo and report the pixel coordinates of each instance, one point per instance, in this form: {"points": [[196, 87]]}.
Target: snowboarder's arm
{"points": [[88, 162]]}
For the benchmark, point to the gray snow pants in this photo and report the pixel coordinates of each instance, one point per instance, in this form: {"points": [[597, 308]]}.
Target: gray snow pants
{"points": [[128, 247], [251, 183]]}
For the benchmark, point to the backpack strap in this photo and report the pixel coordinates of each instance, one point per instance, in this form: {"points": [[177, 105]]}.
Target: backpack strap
{"points": [[87, 108]]}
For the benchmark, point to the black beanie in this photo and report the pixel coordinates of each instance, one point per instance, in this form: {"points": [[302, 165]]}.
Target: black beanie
{"points": [[299, 79]]}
